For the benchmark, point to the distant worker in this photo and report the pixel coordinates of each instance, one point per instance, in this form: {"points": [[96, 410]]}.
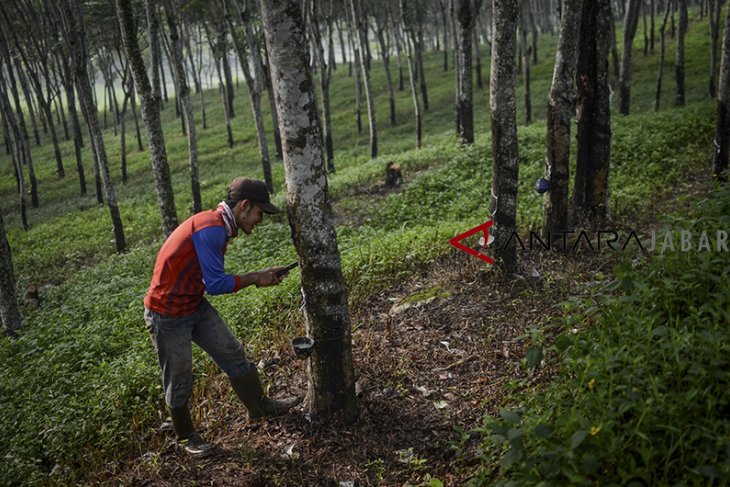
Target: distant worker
{"points": [[189, 264]]}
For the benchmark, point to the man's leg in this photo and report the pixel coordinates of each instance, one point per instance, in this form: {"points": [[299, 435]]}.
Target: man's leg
{"points": [[171, 338], [213, 335]]}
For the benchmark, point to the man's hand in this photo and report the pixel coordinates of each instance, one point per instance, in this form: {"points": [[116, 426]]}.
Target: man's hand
{"points": [[268, 277]]}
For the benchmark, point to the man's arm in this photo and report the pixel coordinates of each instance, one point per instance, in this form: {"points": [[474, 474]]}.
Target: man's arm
{"points": [[209, 243]]}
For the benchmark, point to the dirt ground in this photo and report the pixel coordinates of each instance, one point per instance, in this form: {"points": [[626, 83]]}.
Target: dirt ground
{"points": [[432, 357]]}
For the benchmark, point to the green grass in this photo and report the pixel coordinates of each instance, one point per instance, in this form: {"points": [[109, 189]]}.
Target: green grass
{"points": [[80, 383], [640, 396]]}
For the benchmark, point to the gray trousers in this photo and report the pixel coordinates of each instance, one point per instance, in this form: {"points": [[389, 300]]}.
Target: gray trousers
{"points": [[172, 338]]}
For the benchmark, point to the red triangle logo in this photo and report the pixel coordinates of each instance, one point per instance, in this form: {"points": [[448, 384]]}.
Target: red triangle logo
{"points": [[484, 227]]}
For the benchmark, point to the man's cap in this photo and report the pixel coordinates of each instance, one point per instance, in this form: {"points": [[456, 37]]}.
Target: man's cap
{"points": [[243, 188]]}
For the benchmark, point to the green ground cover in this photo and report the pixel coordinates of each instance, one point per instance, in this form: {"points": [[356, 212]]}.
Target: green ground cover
{"points": [[80, 384]]}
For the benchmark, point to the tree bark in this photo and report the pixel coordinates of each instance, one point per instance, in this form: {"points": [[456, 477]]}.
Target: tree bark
{"points": [[360, 22], [419, 48], [560, 111], [24, 155], [153, 34], [17, 143], [590, 192], [331, 384], [631, 21], [465, 13], [76, 38], [272, 103], [679, 57], [253, 83], [713, 14], [525, 49], [357, 61], [150, 117], [722, 130], [325, 74], [380, 28], [407, 19], [662, 56], [505, 154], [67, 81], [9, 312], [183, 94]]}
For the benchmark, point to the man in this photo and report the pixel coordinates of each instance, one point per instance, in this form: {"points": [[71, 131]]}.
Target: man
{"points": [[189, 264]]}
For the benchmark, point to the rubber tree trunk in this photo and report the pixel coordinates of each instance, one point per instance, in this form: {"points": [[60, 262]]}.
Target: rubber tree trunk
{"points": [[722, 130], [77, 42], [590, 197], [331, 378], [662, 56], [457, 61], [150, 117], [75, 124], [153, 34], [360, 22], [183, 94], [253, 83], [713, 15], [325, 75], [419, 48], [525, 50], [24, 151], [9, 312], [272, 103], [17, 143], [631, 21], [560, 111], [679, 55], [465, 13], [407, 18], [385, 56], [356, 55], [505, 154]]}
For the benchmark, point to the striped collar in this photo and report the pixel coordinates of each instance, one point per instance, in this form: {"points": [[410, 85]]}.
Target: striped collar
{"points": [[228, 219]]}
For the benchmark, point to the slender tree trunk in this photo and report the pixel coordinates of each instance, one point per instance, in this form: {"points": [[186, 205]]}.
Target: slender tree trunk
{"points": [[662, 55], [9, 312], [560, 111], [713, 14], [150, 117], [357, 55], [722, 131], [533, 31], [645, 31], [477, 53], [465, 13], [453, 11], [419, 48], [590, 192], [18, 142], [385, 56], [325, 74], [216, 53], [652, 26], [76, 37], [399, 50], [407, 18], [272, 103], [30, 102], [183, 94], [223, 45], [123, 138], [140, 147], [153, 33], [443, 5], [679, 58], [614, 54], [24, 155], [505, 154], [331, 385], [526, 66], [360, 23], [342, 43], [631, 21], [253, 83]]}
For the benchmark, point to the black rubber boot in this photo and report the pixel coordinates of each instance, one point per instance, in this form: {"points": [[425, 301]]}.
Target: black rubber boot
{"points": [[249, 390], [190, 441]]}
